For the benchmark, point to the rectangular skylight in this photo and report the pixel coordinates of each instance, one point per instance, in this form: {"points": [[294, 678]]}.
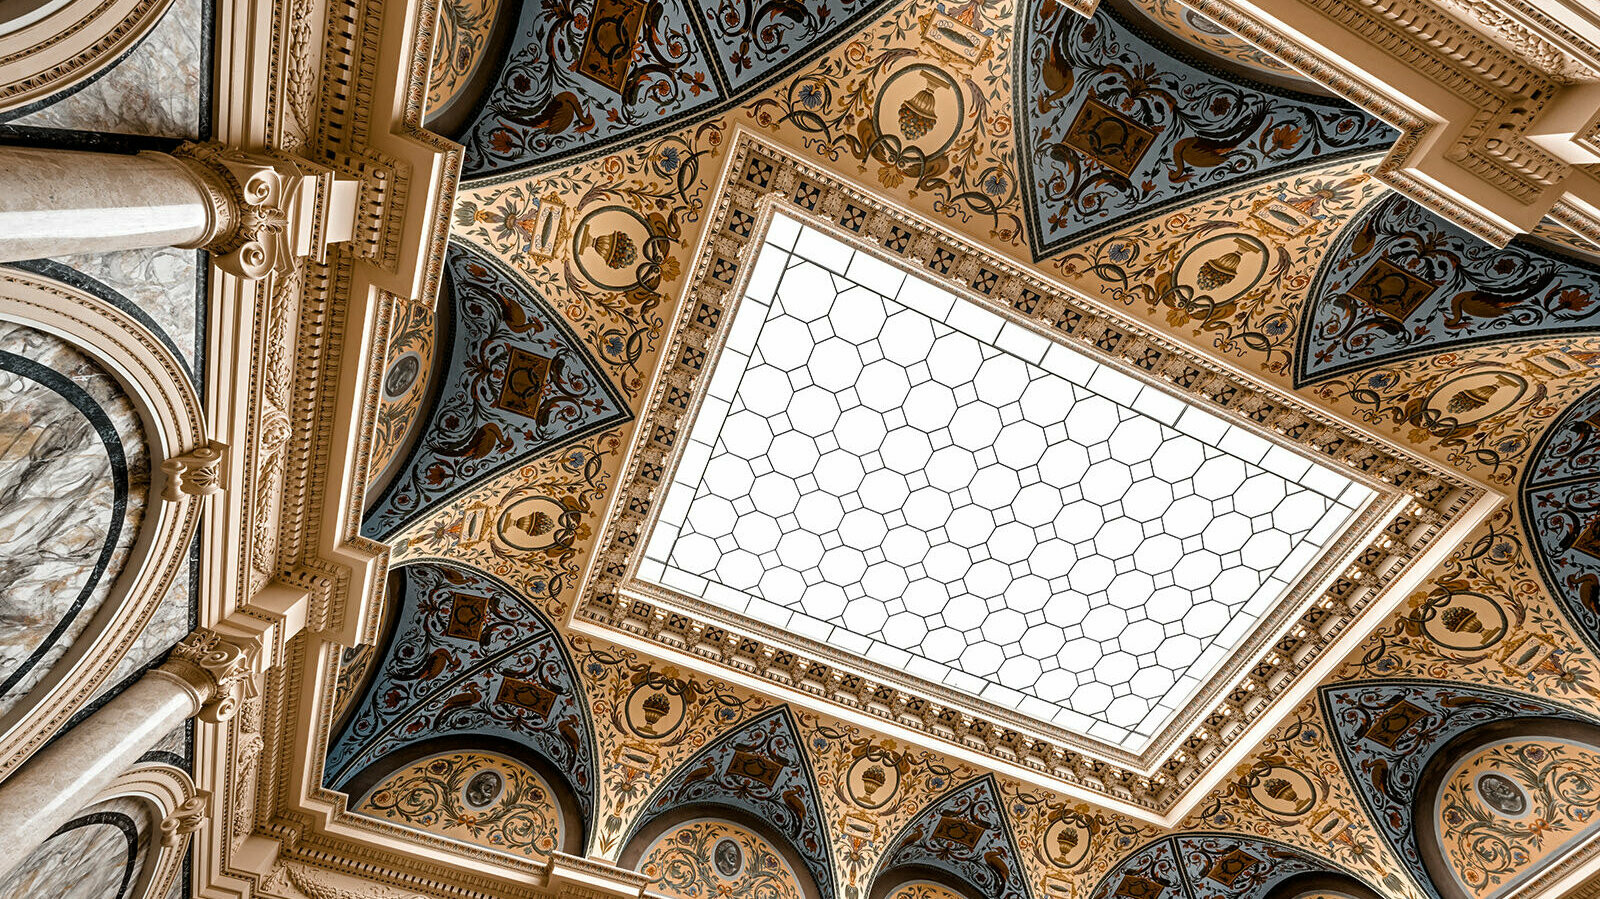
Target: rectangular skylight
{"points": [[897, 472]]}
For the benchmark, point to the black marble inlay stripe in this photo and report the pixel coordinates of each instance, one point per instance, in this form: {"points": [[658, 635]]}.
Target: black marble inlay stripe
{"points": [[101, 422], [130, 833], [66, 274]]}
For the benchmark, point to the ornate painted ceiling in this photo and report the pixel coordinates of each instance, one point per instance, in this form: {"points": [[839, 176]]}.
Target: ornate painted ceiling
{"points": [[1136, 182]]}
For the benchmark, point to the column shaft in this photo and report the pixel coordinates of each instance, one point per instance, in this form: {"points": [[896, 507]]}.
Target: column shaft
{"points": [[64, 777], [55, 202]]}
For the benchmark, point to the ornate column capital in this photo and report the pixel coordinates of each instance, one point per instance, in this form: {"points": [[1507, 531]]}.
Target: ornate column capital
{"points": [[218, 674], [267, 209], [195, 473], [186, 818]]}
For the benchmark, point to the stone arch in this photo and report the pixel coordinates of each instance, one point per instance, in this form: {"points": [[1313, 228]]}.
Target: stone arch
{"points": [[1509, 803], [130, 843], [49, 46], [167, 410]]}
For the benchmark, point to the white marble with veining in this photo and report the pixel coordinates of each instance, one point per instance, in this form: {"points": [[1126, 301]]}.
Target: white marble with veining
{"points": [[56, 503], [154, 90], [86, 862], [162, 282]]}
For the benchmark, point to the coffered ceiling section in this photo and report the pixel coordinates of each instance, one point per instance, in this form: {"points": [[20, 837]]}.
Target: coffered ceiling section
{"points": [[896, 472], [887, 468]]}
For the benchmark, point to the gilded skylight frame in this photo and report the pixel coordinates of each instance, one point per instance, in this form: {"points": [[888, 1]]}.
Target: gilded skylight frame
{"points": [[1404, 530]]}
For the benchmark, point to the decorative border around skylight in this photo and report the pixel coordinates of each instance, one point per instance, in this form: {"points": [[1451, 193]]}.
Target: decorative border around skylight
{"points": [[904, 545], [1419, 510]]}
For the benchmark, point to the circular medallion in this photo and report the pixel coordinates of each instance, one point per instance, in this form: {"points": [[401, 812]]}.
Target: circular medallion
{"points": [[610, 247], [1224, 267], [873, 780], [1469, 399], [1284, 791], [483, 789], [1066, 841], [1466, 622], [402, 375], [922, 106], [728, 858], [531, 523], [1502, 794], [653, 711]]}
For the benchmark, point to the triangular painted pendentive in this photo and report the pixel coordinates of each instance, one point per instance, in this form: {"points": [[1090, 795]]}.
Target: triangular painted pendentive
{"points": [[637, 70], [760, 769], [1560, 503], [1114, 125], [1209, 866], [1400, 282], [966, 835], [519, 383], [468, 657], [1387, 732]]}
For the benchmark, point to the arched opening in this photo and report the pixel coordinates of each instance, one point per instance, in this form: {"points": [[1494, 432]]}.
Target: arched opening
{"points": [[1504, 803], [477, 789], [721, 850], [117, 408]]}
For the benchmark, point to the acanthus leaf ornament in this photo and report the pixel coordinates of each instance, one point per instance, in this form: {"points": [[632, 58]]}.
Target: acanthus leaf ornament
{"points": [[219, 673]]}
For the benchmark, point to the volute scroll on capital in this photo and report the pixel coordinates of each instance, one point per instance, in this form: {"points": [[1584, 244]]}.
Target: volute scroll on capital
{"points": [[186, 818], [268, 209], [195, 473], [219, 674]]}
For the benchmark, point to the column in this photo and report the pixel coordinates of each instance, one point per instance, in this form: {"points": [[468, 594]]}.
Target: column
{"points": [[54, 202], [205, 676], [255, 212]]}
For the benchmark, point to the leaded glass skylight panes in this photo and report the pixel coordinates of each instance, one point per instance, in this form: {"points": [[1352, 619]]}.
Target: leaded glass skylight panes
{"points": [[894, 471]]}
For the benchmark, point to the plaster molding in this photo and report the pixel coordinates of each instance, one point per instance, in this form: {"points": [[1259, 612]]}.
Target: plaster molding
{"points": [[70, 45], [340, 82], [173, 798], [1472, 106], [267, 210], [217, 673], [174, 423]]}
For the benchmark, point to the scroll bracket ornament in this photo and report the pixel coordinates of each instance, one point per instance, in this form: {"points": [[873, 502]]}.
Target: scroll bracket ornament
{"points": [[186, 818], [268, 209], [195, 473]]}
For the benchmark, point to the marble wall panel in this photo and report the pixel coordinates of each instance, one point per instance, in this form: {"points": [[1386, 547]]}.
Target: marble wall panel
{"points": [[156, 90], [73, 482], [97, 855], [164, 283]]}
